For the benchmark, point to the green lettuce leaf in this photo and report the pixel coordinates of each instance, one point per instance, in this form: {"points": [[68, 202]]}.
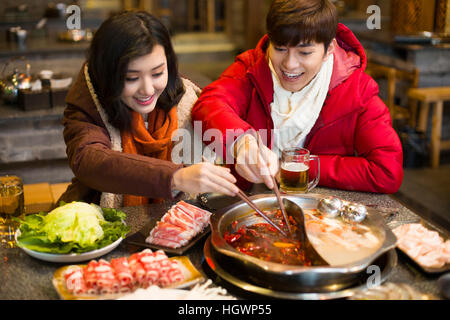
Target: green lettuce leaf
{"points": [[77, 221], [113, 214], [72, 228]]}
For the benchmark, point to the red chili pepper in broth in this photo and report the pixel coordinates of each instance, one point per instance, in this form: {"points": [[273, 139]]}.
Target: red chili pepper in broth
{"points": [[253, 232], [236, 237], [242, 230]]}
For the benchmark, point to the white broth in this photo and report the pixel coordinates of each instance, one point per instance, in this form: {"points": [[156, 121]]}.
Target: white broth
{"points": [[339, 242]]}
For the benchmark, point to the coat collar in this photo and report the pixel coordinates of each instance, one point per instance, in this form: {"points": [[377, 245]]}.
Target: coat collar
{"points": [[79, 93]]}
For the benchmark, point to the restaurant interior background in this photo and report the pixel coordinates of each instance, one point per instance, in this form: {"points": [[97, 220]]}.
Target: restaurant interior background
{"points": [[408, 49]]}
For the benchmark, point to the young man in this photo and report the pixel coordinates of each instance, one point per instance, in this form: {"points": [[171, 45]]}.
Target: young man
{"points": [[305, 84]]}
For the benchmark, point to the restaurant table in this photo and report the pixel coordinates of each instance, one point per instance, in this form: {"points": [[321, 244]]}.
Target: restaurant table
{"points": [[23, 277]]}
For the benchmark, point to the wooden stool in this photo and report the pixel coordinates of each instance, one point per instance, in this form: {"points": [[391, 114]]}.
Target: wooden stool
{"points": [[437, 96], [57, 190], [42, 196], [37, 197], [393, 75]]}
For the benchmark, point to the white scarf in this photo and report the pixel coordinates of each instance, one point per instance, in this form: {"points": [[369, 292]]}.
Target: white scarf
{"points": [[295, 113]]}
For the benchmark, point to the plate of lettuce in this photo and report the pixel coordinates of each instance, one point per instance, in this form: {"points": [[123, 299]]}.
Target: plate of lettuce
{"points": [[73, 232]]}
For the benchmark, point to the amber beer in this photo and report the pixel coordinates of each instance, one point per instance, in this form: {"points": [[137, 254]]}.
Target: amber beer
{"points": [[11, 206], [294, 177]]}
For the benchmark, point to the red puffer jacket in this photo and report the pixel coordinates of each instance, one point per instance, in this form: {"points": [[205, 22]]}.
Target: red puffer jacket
{"points": [[353, 136]]}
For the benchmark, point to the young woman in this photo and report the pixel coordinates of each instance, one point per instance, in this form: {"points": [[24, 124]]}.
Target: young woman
{"points": [[305, 84], [122, 112]]}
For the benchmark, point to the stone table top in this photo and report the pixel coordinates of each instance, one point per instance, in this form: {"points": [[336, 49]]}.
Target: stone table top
{"points": [[25, 278]]}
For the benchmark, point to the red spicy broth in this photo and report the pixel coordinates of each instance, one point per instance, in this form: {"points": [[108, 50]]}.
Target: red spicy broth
{"points": [[264, 242]]}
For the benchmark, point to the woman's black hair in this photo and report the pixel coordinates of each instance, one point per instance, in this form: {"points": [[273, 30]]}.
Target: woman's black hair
{"points": [[120, 39]]}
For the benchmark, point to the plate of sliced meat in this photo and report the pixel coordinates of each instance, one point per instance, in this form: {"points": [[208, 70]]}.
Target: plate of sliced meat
{"points": [[427, 248], [176, 231], [112, 279]]}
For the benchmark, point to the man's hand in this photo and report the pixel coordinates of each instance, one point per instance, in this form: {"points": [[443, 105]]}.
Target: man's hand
{"points": [[257, 166]]}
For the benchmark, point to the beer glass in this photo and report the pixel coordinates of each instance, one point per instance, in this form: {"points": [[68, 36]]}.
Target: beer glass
{"points": [[300, 171], [11, 205]]}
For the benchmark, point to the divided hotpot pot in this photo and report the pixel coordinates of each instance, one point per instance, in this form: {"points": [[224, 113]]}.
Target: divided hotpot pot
{"points": [[290, 278]]}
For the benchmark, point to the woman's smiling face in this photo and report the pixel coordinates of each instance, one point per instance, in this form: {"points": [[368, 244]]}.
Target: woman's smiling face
{"points": [[297, 66], [145, 80]]}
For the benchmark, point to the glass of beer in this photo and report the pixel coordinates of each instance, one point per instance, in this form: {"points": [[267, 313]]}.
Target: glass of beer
{"points": [[300, 171], [11, 205]]}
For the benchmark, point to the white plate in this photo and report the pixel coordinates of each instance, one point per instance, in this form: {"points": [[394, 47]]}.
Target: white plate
{"points": [[71, 257]]}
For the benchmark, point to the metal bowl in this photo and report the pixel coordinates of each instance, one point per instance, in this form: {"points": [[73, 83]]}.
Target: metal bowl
{"points": [[290, 278]]}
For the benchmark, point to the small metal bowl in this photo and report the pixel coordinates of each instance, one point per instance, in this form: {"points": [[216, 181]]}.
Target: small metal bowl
{"points": [[330, 206], [349, 212], [354, 213]]}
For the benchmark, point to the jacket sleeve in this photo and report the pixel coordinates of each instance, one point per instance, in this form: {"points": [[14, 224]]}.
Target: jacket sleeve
{"points": [[223, 106], [96, 165], [377, 165]]}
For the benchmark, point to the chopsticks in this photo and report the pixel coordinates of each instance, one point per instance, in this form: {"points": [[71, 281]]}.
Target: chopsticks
{"points": [[247, 200], [280, 202], [275, 187]]}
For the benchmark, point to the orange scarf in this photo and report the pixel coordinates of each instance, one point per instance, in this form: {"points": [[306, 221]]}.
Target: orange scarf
{"points": [[152, 142]]}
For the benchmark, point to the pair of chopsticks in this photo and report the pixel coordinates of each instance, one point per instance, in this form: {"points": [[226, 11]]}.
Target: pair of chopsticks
{"points": [[275, 186], [247, 200]]}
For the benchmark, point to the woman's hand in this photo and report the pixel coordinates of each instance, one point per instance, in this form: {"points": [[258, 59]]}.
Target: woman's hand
{"points": [[205, 177], [254, 165]]}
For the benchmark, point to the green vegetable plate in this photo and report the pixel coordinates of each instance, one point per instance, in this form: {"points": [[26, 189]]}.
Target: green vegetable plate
{"points": [[73, 232], [71, 257]]}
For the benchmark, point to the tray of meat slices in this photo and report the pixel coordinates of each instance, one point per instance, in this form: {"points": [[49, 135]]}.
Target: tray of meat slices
{"points": [[425, 246], [112, 279], [181, 227]]}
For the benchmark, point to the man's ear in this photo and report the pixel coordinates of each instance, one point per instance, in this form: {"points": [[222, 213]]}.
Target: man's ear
{"points": [[330, 49]]}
